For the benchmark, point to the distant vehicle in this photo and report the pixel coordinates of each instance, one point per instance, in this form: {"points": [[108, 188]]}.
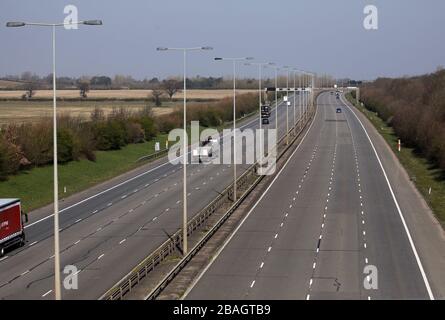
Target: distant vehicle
{"points": [[338, 110], [12, 220], [337, 95], [205, 150], [207, 141], [265, 114], [202, 153], [332, 92], [265, 110]]}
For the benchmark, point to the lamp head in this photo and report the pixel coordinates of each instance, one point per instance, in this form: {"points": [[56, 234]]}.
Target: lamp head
{"points": [[93, 22], [15, 24]]}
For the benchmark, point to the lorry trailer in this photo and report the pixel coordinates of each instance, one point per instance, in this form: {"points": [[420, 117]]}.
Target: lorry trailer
{"points": [[12, 219]]}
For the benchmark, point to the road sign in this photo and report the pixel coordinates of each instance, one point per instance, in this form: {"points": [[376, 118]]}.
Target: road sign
{"points": [[157, 147], [286, 89]]}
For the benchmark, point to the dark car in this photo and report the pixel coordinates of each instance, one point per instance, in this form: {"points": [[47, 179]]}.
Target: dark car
{"points": [[338, 110], [265, 121]]}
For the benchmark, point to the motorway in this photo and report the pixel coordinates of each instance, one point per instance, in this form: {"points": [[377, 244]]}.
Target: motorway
{"points": [[329, 214], [108, 230]]}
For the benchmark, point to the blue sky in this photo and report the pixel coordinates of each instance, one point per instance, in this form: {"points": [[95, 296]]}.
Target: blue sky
{"points": [[322, 36]]}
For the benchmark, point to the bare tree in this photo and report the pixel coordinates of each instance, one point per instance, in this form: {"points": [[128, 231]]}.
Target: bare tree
{"points": [[84, 87], [171, 86], [30, 89], [97, 115], [156, 96]]}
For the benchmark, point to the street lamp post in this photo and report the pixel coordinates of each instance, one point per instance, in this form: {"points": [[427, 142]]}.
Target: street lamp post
{"points": [[295, 121], [300, 101], [312, 84], [305, 98], [287, 68], [276, 95], [260, 66], [234, 61], [184, 143], [57, 287]]}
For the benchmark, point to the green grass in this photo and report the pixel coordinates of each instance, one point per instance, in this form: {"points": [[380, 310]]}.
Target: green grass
{"points": [[420, 170], [35, 187]]}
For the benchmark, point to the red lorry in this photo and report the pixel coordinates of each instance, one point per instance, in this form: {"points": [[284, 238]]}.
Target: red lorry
{"points": [[12, 220]]}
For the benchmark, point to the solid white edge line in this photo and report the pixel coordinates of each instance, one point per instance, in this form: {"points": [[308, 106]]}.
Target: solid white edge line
{"points": [[413, 247], [123, 182], [189, 289]]}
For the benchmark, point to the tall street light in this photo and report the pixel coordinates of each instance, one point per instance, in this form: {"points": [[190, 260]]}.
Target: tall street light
{"points": [[305, 82], [234, 61], [300, 98], [295, 120], [312, 84], [260, 67], [287, 68], [57, 288], [276, 95], [305, 97], [184, 143]]}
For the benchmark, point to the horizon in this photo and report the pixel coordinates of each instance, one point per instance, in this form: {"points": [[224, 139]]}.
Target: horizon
{"points": [[336, 43]]}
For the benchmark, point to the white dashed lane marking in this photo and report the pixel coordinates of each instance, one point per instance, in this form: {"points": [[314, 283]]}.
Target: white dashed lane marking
{"points": [[286, 214], [47, 293]]}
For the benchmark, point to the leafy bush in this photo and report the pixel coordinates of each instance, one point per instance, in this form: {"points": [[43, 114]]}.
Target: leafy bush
{"points": [[415, 108], [149, 127], [109, 135], [9, 159], [134, 132], [65, 145]]}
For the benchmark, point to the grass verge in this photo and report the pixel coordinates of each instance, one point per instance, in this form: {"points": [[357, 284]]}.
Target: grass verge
{"points": [[421, 171]]}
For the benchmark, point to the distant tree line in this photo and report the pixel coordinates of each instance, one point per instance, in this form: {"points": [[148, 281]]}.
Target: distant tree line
{"points": [[31, 144], [102, 82], [415, 108]]}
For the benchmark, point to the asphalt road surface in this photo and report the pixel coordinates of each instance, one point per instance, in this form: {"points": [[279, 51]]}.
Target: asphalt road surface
{"points": [[329, 220], [108, 230]]}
